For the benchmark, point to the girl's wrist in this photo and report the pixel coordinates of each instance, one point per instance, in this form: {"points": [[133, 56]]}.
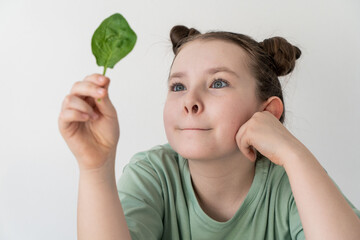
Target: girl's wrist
{"points": [[297, 155], [98, 177], [105, 173]]}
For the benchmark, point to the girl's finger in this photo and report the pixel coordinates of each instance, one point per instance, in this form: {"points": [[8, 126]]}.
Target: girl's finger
{"points": [[94, 89], [88, 89], [247, 149], [244, 143], [79, 104], [68, 116], [98, 79]]}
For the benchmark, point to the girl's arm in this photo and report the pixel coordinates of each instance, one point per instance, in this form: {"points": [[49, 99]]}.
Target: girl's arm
{"points": [[100, 215], [324, 212], [91, 130]]}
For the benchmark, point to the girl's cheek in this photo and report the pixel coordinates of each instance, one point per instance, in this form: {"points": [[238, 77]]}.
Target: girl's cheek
{"points": [[168, 113]]}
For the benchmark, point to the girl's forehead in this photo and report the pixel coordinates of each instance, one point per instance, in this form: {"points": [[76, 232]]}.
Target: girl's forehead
{"points": [[213, 53], [212, 45]]}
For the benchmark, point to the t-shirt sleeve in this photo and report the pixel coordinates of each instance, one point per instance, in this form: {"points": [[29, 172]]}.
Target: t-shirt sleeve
{"points": [[296, 228], [141, 198], [288, 206]]}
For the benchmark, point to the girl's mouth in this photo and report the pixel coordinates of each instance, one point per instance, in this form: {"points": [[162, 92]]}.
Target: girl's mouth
{"points": [[195, 129]]}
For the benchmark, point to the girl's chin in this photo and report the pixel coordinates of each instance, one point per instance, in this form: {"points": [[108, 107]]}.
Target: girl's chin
{"points": [[201, 152], [192, 156], [191, 151]]}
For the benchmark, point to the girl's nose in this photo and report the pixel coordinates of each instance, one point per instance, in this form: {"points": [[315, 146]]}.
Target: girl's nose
{"points": [[193, 104], [194, 109]]}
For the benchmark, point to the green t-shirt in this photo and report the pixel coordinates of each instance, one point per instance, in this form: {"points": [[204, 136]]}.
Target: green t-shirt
{"points": [[159, 202]]}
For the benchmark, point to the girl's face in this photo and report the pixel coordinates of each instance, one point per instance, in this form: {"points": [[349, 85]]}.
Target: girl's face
{"points": [[211, 95]]}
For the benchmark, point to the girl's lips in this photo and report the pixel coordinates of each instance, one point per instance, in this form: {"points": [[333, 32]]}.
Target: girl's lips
{"points": [[195, 129]]}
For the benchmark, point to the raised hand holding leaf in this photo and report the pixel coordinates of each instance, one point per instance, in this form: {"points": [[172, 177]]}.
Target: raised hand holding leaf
{"points": [[112, 41]]}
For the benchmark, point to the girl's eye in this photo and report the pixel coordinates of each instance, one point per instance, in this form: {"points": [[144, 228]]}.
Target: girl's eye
{"points": [[176, 87], [219, 83]]}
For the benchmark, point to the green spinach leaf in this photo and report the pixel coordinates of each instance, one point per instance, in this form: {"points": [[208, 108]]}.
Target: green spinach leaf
{"points": [[112, 41]]}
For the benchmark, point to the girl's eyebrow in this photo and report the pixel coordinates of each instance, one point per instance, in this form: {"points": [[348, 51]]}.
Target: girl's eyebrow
{"points": [[210, 71]]}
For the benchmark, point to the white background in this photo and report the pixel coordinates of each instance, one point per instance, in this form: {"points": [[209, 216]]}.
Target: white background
{"points": [[45, 48]]}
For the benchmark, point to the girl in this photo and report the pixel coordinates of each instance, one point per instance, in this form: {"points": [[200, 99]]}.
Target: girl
{"points": [[231, 170]]}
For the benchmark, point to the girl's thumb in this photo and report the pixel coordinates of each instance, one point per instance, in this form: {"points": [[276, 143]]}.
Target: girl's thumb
{"points": [[104, 104]]}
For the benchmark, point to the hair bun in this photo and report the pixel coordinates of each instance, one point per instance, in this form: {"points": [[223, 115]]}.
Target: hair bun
{"points": [[283, 54], [180, 32]]}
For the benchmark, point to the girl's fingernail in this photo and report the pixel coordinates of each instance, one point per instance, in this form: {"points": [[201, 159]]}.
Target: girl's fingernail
{"points": [[94, 116], [100, 91]]}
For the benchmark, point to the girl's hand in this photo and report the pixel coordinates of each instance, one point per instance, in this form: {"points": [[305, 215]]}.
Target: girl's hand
{"points": [[264, 132], [90, 127]]}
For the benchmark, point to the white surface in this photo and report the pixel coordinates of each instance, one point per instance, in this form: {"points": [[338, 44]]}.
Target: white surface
{"points": [[45, 48]]}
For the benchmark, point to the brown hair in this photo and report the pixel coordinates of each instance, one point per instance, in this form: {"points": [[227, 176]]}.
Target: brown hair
{"points": [[269, 59]]}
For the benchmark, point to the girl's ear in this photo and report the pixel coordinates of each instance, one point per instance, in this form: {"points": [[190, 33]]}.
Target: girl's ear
{"points": [[274, 105]]}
